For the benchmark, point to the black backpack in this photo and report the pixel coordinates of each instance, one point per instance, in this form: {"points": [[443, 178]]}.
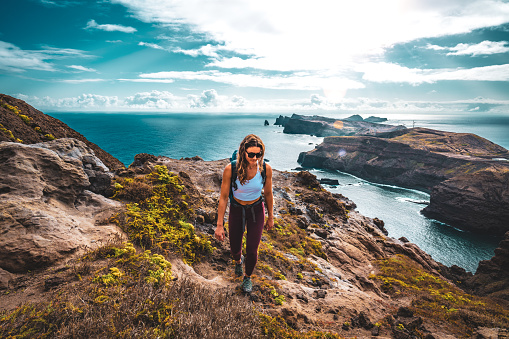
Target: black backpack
{"points": [[233, 184]]}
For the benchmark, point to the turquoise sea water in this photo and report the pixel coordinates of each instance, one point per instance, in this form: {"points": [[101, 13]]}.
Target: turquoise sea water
{"points": [[215, 136]]}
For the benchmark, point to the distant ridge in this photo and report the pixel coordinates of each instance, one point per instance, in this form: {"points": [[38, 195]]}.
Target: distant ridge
{"points": [[20, 122]]}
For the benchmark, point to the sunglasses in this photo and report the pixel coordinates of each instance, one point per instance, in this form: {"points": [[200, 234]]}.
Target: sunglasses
{"points": [[252, 155]]}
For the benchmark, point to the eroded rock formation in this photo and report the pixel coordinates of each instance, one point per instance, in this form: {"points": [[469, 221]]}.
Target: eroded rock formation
{"points": [[352, 242], [467, 181], [48, 207], [323, 127], [19, 120]]}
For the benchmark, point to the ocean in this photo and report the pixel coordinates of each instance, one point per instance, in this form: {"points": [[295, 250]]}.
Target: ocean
{"points": [[214, 136]]}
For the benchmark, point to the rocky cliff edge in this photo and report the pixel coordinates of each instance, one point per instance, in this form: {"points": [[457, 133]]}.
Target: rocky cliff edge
{"points": [[323, 268], [467, 176]]}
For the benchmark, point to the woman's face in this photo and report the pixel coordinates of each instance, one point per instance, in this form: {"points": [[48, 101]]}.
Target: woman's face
{"points": [[253, 150]]}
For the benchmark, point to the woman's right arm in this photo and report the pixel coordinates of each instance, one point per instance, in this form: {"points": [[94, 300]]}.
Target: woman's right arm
{"points": [[223, 200]]}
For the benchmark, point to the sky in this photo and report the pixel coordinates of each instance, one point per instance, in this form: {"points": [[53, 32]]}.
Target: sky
{"points": [[391, 56]]}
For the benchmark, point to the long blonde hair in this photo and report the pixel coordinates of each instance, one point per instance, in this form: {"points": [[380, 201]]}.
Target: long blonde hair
{"points": [[249, 141]]}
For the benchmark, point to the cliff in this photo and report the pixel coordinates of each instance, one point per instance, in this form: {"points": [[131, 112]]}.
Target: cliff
{"points": [[492, 276], [323, 127], [323, 271], [86, 252], [468, 188], [49, 202], [22, 123]]}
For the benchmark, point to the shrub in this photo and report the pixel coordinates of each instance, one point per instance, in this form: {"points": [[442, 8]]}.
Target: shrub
{"points": [[277, 328], [27, 120], [158, 222], [437, 299], [132, 307]]}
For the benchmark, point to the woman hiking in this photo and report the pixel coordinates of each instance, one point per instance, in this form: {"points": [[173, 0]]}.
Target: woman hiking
{"points": [[243, 181]]}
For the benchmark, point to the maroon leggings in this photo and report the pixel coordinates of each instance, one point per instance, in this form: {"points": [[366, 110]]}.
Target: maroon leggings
{"points": [[254, 218]]}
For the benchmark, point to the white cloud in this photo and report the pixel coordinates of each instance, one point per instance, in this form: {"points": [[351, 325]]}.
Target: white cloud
{"points": [[81, 102], [393, 73], [435, 47], [208, 98], [483, 48], [60, 3], [299, 81], [151, 45], [324, 34], [82, 68], [160, 81], [152, 100], [317, 100], [207, 50], [238, 101], [92, 24], [15, 59], [81, 81]]}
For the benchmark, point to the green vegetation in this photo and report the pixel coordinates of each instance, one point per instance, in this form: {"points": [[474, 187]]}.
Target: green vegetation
{"points": [[26, 119], [116, 291], [158, 218], [11, 108], [9, 134], [131, 295], [437, 299], [277, 328]]}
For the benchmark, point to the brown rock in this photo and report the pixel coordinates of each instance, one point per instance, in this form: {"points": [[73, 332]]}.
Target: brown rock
{"points": [[5, 278], [468, 188], [492, 276], [46, 211], [478, 202], [41, 125]]}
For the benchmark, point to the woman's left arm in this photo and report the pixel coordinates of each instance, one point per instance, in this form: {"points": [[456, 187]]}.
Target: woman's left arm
{"points": [[269, 197]]}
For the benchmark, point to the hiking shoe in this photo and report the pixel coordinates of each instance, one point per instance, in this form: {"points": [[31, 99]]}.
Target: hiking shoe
{"points": [[247, 285], [238, 267]]}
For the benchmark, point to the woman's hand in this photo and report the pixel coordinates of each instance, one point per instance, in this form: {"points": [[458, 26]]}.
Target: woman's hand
{"points": [[269, 223], [219, 234]]}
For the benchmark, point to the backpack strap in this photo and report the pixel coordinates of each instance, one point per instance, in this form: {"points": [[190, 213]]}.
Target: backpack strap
{"points": [[233, 184], [264, 173]]}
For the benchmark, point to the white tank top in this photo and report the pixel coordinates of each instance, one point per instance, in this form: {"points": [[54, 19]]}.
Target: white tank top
{"points": [[251, 190]]}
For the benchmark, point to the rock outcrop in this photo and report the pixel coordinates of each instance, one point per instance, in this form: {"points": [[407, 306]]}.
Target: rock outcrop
{"points": [[375, 119], [55, 216], [23, 123], [281, 120], [492, 276], [351, 241], [479, 200], [323, 127], [468, 189], [48, 207]]}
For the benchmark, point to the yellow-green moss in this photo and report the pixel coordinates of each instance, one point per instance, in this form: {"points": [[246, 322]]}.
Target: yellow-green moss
{"points": [[159, 221], [27, 120], [436, 298], [9, 134], [277, 328]]}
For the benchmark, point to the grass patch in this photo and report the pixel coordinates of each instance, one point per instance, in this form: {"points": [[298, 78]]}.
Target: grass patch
{"points": [[9, 134], [284, 256], [277, 328], [156, 215], [131, 295], [26, 119], [437, 299]]}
